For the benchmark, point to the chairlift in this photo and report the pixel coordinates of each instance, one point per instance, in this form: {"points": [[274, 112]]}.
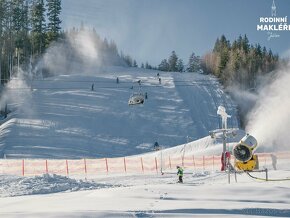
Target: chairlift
{"points": [[137, 97]]}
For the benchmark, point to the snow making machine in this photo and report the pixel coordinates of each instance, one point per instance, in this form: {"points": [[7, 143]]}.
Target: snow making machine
{"points": [[246, 160]]}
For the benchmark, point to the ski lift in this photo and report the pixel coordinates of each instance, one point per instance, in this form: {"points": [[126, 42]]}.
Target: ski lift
{"points": [[138, 97]]}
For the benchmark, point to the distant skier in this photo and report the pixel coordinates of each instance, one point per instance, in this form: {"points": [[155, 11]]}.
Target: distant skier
{"points": [[156, 146], [117, 80], [179, 174], [93, 85], [274, 161], [159, 80], [146, 95]]}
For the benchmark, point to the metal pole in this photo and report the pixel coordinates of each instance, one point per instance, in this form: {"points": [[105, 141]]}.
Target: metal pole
{"points": [[224, 149], [161, 159], [187, 140]]}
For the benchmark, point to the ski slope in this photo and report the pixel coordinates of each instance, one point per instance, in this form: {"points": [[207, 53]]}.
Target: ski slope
{"points": [[62, 117]]}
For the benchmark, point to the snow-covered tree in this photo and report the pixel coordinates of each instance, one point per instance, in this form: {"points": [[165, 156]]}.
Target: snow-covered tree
{"points": [[172, 61], [193, 63], [180, 65], [163, 66]]}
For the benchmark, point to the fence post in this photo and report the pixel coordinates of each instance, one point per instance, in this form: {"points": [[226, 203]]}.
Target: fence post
{"points": [[142, 164], [156, 165], [67, 172], [169, 162], [107, 167], [46, 166], [213, 163], [23, 167], [125, 167], [85, 162]]}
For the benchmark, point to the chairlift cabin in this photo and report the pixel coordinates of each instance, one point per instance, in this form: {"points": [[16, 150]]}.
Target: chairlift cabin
{"points": [[136, 98]]}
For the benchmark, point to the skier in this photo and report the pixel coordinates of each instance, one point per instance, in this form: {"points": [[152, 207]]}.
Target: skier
{"points": [[227, 154], [156, 146], [274, 161], [180, 174]]}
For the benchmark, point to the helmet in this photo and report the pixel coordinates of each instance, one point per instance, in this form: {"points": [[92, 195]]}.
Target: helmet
{"points": [[177, 167]]}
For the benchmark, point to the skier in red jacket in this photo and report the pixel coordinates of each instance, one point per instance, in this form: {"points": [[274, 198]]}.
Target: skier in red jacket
{"points": [[228, 156]]}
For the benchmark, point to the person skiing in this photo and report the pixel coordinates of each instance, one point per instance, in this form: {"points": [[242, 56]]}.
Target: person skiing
{"points": [[180, 174], [156, 146], [226, 155]]}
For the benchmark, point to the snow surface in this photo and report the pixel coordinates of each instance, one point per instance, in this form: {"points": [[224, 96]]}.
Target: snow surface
{"points": [[203, 194], [63, 118]]}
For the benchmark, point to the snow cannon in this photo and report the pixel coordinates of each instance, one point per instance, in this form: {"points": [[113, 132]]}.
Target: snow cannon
{"points": [[246, 160]]}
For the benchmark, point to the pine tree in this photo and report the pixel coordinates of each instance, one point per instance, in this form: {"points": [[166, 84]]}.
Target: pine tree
{"points": [[53, 13], [180, 65], [194, 64], [38, 26], [172, 62], [245, 44], [20, 29], [2, 18], [163, 66]]}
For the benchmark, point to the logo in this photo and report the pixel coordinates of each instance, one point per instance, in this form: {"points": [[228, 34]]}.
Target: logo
{"points": [[274, 25]]}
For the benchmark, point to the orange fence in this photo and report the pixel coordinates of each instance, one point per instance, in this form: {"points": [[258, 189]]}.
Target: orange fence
{"points": [[135, 164]]}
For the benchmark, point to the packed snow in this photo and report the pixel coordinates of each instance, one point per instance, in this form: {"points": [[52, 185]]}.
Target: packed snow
{"points": [[203, 194]]}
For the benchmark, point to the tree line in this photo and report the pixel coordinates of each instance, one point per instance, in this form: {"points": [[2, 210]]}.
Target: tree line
{"points": [[239, 63], [27, 28], [175, 64]]}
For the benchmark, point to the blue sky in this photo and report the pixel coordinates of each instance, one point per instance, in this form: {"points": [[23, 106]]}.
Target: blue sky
{"points": [[149, 30]]}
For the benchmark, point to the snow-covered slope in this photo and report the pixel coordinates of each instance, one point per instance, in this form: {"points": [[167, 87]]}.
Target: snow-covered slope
{"points": [[62, 117]]}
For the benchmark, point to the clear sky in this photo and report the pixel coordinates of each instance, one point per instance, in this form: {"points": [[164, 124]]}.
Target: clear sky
{"points": [[149, 30]]}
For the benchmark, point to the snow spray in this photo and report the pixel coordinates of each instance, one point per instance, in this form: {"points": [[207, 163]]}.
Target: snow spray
{"points": [[269, 119], [79, 53], [17, 93]]}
